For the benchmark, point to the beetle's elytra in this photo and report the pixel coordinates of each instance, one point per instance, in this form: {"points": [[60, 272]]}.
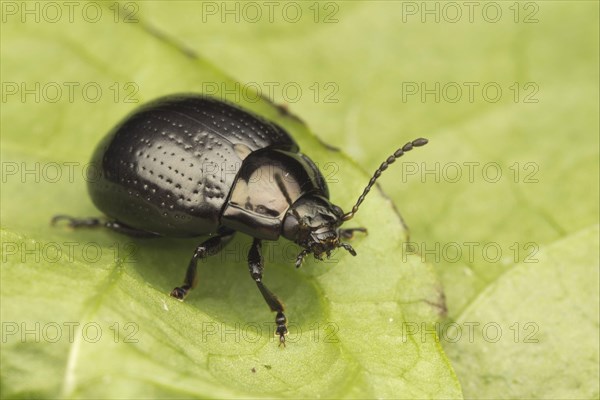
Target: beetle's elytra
{"points": [[190, 165]]}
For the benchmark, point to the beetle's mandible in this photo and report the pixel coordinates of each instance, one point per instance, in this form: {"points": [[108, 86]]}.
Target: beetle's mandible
{"points": [[189, 165]]}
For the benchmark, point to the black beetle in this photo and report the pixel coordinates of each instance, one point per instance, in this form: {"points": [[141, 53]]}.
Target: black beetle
{"points": [[190, 165]]}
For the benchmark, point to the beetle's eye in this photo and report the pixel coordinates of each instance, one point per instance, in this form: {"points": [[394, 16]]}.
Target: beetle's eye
{"points": [[338, 210]]}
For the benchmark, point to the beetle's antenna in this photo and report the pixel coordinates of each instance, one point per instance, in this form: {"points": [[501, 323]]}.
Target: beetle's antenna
{"points": [[384, 165]]}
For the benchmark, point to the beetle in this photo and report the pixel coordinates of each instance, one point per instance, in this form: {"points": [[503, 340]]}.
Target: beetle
{"points": [[189, 165]]}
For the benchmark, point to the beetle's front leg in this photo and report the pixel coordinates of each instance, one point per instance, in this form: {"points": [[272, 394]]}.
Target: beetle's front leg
{"points": [[256, 266], [206, 248]]}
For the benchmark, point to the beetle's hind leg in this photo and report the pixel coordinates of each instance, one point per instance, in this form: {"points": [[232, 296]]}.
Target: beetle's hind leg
{"points": [[349, 232], [100, 223], [256, 266], [207, 248]]}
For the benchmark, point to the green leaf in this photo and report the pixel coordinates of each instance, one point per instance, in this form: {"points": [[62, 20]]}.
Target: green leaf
{"points": [[536, 317], [86, 314], [541, 134]]}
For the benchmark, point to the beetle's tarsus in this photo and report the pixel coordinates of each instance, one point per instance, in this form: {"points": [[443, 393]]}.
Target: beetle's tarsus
{"points": [[349, 233], [75, 222], [179, 293], [281, 330], [300, 257]]}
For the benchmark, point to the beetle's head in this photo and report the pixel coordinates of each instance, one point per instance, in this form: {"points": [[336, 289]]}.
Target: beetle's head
{"points": [[312, 222]]}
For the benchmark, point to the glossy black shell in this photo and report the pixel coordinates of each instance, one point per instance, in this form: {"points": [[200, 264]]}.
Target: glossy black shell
{"points": [[169, 167]]}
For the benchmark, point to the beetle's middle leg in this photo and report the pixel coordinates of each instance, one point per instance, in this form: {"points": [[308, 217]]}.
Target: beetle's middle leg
{"points": [[256, 266], [206, 249]]}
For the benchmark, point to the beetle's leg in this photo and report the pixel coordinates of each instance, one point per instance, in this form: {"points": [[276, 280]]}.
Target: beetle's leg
{"points": [[256, 266], [98, 222], [349, 233], [206, 248]]}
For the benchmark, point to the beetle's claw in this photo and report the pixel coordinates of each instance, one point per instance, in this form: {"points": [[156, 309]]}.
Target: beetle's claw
{"points": [[281, 330], [179, 293], [57, 218], [348, 247]]}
